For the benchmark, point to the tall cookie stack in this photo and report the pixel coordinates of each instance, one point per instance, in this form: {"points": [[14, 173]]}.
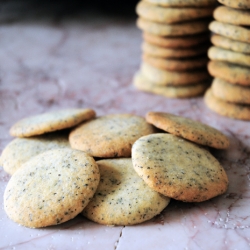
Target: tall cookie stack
{"points": [[229, 94], [175, 44]]}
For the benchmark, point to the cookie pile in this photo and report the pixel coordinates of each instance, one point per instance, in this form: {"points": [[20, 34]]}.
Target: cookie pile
{"points": [[174, 48], [229, 94], [118, 169]]}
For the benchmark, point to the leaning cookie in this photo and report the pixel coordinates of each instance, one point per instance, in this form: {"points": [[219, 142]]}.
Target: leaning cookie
{"points": [[178, 168], [51, 121], [186, 3], [122, 197], [237, 4], [51, 188], [188, 129]]}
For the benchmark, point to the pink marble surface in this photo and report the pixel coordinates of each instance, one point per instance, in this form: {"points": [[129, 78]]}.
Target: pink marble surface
{"points": [[89, 61]]}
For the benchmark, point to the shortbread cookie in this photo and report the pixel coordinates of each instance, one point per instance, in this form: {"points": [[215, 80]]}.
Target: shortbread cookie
{"points": [[231, 92], [181, 3], [49, 122], [157, 13], [232, 110], [187, 91], [230, 44], [233, 73], [172, 78], [178, 168], [229, 15], [176, 42], [122, 197], [20, 150], [177, 29], [234, 32], [219, 54], [110, 135], [163, 52], [182, 64], [188, 129], [51, 188], [237, 4]]}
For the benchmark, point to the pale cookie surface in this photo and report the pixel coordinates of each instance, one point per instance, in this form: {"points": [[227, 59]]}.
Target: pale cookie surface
{"points": [[181, 3], [110, 135], [233, 73], [122, 197], [186, 91], [238, 4], [232, 110], [234, 32], [231, 92], [51, 188], [227, 43], [178, 168], [51, 121], [20, 150], [171, 15], [188, 129], [173, 78], [219, 54], [177, 29]]}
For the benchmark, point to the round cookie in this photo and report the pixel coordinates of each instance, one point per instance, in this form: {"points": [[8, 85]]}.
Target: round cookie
{"points": [[163, 52], [226, 14], [234, 32], [160, 14], [176, 42], [233, 73], [20, 150], [109, 136], [173, 78], [187, 91], [188, 129], [122, 197], [181, 3], [219, 54], [230, 92], [51, 121], [232, 110], [177, 29], [51, 188], [178, 168], [237, 4], [230, 44], [182, 64]]}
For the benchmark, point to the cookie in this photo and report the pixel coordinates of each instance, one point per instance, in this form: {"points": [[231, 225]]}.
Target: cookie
{"points": [[123, 198], [176, 42], [237, 4], [162, 52], [109, 136], [219, 54], [232, 110], [20, 150], [182, 64], [226, 14], [49, 122], [181, 3], [177, 168], [188, 129], [230, 92], [187, 91], [233, 73], [160, 14], [173, 78], [51, 188], [230, 44], [177, 29], [234, 32]]}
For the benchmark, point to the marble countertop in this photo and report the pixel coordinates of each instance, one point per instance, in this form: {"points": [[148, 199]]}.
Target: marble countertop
{"points": [[89, 61]]}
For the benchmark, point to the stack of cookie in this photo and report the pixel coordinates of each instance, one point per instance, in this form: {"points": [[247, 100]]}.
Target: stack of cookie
{"points": [[230, 60], [175, 44]]}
